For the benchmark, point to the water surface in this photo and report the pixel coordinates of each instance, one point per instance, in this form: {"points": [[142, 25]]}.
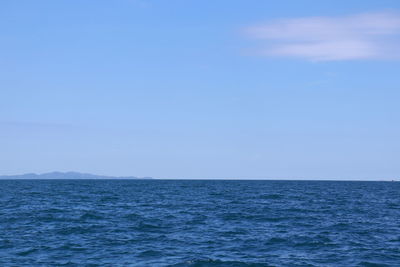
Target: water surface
{"points": [[199, 223]]}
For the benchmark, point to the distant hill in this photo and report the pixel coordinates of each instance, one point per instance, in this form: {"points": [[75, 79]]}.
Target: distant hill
{"points": [[66, 175]]}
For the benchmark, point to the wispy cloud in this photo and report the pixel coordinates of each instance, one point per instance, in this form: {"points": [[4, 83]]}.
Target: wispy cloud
{"points": [[33, 126], [361, 36]]}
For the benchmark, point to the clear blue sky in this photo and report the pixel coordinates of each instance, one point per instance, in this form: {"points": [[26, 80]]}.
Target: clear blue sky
{"points": [[201, 89]]}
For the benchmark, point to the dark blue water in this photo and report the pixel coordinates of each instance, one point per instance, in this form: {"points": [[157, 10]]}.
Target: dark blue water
{"points": [[199, 223]]}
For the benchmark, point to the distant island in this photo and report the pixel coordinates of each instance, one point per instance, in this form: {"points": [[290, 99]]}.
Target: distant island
{"points": [[67, 175]]}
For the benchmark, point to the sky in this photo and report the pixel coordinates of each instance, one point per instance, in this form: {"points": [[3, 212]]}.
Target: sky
{"points": [[290, 89]]}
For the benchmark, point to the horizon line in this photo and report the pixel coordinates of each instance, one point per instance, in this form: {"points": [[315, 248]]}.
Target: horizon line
{"points": [[131, 177]]}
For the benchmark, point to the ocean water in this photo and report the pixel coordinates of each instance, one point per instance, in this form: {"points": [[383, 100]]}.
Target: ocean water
{"points": [[199, 223]]}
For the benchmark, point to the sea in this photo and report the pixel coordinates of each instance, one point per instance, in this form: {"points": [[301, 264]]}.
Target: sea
{"points": [[199, 223]]}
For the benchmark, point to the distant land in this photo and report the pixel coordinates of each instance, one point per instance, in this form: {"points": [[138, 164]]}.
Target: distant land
{"points": [[67, 175]]}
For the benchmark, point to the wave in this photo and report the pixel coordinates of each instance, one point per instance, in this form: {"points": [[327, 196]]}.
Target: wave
{"points": [[217, 262]]}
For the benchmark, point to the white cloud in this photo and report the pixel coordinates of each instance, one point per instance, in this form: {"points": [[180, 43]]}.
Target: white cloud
{"points": [[362, 36]]}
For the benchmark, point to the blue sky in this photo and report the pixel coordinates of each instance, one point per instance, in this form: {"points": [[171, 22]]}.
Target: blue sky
{"points": [[201, 89]]}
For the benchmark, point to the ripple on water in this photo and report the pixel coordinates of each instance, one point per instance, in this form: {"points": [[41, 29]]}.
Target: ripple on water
{"points": [[199, 223]]}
